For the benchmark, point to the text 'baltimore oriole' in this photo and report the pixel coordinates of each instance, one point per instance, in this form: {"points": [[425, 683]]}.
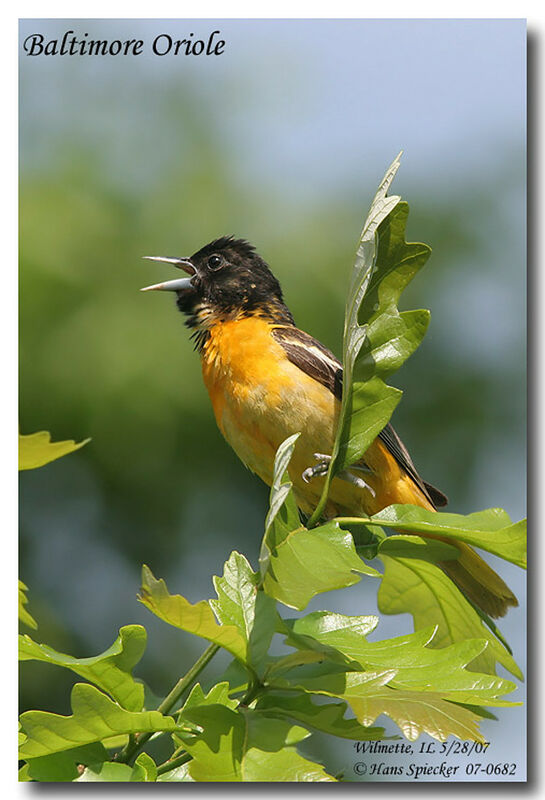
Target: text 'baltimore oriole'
{"points": [[268, 380]]}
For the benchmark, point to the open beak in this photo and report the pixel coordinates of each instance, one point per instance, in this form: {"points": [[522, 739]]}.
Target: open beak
{"points": [[177, 285]]}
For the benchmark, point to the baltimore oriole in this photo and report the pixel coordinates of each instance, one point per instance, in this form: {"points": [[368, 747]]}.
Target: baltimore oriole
{"points": [[267, 380]]}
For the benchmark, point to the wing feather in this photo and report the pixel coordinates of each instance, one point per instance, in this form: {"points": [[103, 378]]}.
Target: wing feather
{"points": [[311, 357], [319, 363]]}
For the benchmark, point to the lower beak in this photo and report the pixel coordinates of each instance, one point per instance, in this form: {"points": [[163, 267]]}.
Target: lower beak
{"points": [[177, 285]]}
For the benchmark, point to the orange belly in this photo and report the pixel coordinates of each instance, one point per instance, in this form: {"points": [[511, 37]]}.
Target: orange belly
{"points": [[260, 398]]}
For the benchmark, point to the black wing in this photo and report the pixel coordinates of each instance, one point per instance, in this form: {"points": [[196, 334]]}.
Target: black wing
{"points": [[319, 363], [312, 357]]}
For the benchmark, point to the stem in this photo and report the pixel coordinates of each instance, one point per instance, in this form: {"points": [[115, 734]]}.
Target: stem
{"points": [[184, 683], [330, 474], [135, 744], [254, 689], [318, 511], [173, 763], [401, 527], [346, 393], [360, 521]]}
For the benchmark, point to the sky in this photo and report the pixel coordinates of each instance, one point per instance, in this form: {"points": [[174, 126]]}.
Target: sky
{"points": [[334, 96]]}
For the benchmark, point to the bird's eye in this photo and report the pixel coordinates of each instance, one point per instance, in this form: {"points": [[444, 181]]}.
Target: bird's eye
{"points": [[215, 262]]}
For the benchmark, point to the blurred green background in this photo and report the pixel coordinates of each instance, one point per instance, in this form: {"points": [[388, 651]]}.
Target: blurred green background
{"points": [[282, 140]]}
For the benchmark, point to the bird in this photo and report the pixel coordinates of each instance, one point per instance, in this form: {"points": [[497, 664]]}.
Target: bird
{"points": [[267, 380]]}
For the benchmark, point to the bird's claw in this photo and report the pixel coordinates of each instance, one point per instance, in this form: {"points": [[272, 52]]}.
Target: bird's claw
{"points": [[347, 476], [319, 470]]}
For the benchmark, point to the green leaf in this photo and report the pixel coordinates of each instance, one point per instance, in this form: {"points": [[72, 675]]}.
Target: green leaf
{"points": [[418, 712], [247, 746], [95, 717], [176, 775], [279, 665], [148, 766], [320, 668], [328, 718], [37, 449], [112, 772], [218, 695], [422, 589], [285, 765], [217, 751], [345, 685], [197, 619], [242, 604], [378, 338], [491, 530], [110, 671], [296, 563], [283, 515], [412, 546], [382, 338], [306, 563], [62, 767], [144, 770], [327, 633], [280, 488], [24, 614], [417, 665], [414, 712]]}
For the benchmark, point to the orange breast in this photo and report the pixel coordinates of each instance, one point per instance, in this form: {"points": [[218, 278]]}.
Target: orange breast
{"points": [[260, 398]]}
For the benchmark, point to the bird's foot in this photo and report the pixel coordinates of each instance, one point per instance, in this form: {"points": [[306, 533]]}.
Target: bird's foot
{"points": [[355, 480], [319, 470]]}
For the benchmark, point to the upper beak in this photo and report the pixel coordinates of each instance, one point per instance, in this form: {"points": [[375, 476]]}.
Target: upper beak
{"points": [[177, 284]]}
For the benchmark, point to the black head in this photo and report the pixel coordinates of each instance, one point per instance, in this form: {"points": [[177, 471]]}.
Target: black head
{"points": [[228, 280]]}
